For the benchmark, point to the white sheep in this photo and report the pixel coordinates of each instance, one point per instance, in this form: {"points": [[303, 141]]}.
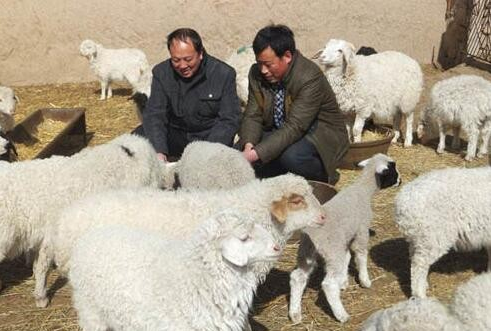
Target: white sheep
{"points": [[127, 279], [34, 192], [385, 85], [415, 314], [242, 60], [471, 303], [461, 102], [440, 210], [128, 64], [208, 165], [8, 152], [8, 102], [286, 201], [349, 214]]}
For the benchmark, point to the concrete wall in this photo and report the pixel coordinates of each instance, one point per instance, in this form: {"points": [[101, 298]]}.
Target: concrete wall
{"points": [[39, 39]]}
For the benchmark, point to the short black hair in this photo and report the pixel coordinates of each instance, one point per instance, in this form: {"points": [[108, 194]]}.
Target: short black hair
{"points": [[183, 34], [277, 36]]}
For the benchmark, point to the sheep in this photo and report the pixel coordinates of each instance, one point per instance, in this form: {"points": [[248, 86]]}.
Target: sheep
{"points": [[452, 106], [287, 200], [471, 303], [128, 64], [8, 152], [204, 282], [8, 102], [33, 192], [440, 210], [386, 86], [208, 165], [348, 215], [242, 60], [414, 314]]}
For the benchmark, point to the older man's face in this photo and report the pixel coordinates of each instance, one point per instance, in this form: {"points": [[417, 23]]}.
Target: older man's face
{"points": [[184, 58], [273, 67]]}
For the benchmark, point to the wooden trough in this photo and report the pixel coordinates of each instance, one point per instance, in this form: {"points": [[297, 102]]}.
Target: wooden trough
{"points": [[361, 151], [29, 134]]}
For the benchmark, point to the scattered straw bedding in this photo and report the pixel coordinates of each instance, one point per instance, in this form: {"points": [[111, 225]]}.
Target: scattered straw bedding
{"points": [[388, 260]]}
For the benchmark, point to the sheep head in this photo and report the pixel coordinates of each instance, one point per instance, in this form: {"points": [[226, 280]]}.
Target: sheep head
{"points": [[337, 55], [384, 169], [88, 49]]}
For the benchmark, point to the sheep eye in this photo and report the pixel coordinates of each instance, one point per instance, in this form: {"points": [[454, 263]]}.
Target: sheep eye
{"points": [[245, 238]]}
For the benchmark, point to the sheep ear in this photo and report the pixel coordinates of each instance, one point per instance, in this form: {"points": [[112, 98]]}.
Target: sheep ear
{"points": [[317, 54], [16, 98], [279, 209], [233, 251], [363, 164], [347, 51]]}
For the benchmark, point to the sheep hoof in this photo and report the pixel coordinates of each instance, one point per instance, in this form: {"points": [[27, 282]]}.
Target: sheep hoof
{"points": [[342, 317], [481, 155], [468, 158], [344, 285], [366, 283], [42, 302], [296, 318], [407, 144], [440, 150]]}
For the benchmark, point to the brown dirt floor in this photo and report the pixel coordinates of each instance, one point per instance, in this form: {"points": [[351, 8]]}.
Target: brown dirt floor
{"points": [[388, 257]]}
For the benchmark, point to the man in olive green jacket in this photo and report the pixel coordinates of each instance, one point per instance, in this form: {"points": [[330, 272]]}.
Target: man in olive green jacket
{"points": [[292, 121]]}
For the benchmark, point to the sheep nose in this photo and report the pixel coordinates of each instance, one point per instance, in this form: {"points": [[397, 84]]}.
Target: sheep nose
{"points": [[276, 248], [322, 219]]}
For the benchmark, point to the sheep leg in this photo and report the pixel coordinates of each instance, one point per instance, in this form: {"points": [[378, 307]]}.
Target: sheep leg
{"points": [[109, 90], [88, 318], [473, 135], [359, 246], [103, 89], [332, 290], [485, 136], [396, 125], [421, 261], [306, 263], [409, 130], [358, 128], [345, 282], [247, 325], [40, 269], [441, 134], [456, 137], [488, 250], [348, 128]]}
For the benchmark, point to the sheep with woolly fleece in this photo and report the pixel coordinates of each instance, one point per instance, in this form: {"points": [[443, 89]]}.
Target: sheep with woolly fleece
{"points": [[471, 303], [286, 201], [242, 60], [460, 102], [415, 314], [34, 192], [204, 282], [108, 64], [8, 102], [349, 214], [440, 210], [385, 85]]}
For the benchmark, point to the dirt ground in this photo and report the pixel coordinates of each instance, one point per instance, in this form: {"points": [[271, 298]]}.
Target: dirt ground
{"points": [[388, 257]]}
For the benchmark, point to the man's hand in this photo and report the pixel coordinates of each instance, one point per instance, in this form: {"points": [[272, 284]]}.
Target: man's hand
{"points": [[162, 157], [250, 153]]}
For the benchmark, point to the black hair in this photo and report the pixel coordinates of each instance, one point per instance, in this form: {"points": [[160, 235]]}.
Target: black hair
{"points": [[183, 34], [279, 37]]}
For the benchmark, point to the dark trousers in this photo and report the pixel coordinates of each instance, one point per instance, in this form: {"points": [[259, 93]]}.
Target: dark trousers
{"points": [[300, 158], [177, 140]]}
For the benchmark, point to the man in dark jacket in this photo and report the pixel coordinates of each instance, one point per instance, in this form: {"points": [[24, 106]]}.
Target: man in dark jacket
{"points": [[292, 121], [193, 97]]}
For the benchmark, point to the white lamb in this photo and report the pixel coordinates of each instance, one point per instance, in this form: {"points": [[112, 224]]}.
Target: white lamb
{"points": [[461, 102], [349, 214], [242, 60], [128, 64], [128, 279], [415, 314], [385, 85], [440, 210], [34, 192], [471, 303], [8, 102], [286, 201], [207, 165]]}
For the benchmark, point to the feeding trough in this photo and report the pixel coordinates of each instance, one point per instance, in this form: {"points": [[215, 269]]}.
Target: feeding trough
{"points": [[45, 131], [363, 150]]}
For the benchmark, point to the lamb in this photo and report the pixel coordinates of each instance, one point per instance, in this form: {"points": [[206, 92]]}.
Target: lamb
{"points": [[414, 314], [452, 106], [242, 60], [471, 303], [346, 227], [128, 64], [8, 102], [8, 152], [440, 210], [208, 165], [286, 201], [205, 282], [33, 192], [386, 86]]}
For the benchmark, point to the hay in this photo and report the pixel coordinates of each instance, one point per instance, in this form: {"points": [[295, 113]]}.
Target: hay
{"points": [[388, 259]]}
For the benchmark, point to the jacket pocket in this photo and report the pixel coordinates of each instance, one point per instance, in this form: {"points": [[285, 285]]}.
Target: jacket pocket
{"points": [[209, 104]]}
